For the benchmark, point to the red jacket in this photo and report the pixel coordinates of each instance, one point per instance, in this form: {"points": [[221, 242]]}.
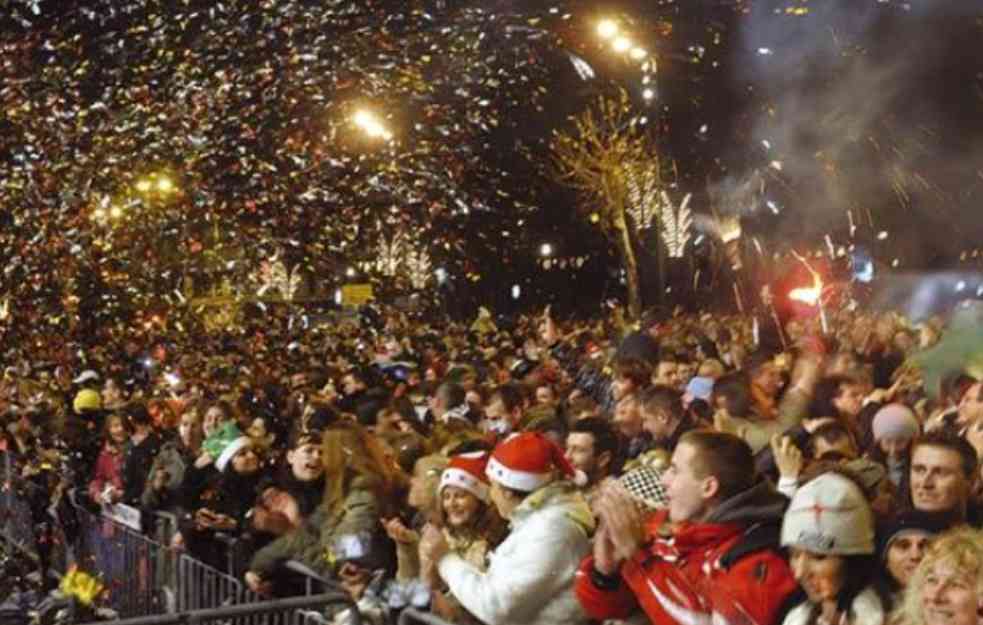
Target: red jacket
{"points": [[108, 471], [719, 573]]}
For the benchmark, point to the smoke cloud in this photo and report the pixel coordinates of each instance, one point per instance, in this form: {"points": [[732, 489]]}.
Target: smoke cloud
{"points": [[862, 113]]}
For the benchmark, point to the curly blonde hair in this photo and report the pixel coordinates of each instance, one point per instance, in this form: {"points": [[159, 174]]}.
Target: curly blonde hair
{"points": [[961, 549]]}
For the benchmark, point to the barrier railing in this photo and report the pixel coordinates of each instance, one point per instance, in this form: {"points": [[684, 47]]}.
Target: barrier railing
{"points": [[413, 616], [133, 567], [150, 583], [16, 523], [293, 611], [313, 582], [142, 574], [33, 533]]}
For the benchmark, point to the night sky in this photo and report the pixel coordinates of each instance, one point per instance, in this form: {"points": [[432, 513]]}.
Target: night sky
{"points": [[802, 117]]}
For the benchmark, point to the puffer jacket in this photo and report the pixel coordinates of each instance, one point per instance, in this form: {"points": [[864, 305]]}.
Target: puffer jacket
{"points": [[314, 543], [726, 569], [531, 574]]}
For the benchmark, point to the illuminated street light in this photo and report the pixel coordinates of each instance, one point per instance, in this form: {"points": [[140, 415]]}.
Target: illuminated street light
{"points": [[371, 125], [638, 53], [545, 250], [648, 93], [607, 29], [621, 44], [350, 272], [116, 212], [165, 185]]}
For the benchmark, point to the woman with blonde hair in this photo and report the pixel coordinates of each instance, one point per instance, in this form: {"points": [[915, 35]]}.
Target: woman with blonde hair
{"points": [[947, 587], [358, 481]]}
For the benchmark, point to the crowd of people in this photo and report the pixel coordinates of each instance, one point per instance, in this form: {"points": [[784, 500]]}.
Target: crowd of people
{"points": [[689, 469]]}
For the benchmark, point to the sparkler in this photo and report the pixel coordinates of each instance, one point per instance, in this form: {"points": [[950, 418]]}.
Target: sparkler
{"points": [[813, 296]]}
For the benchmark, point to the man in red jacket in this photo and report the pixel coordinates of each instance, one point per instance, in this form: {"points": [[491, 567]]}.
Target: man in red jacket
{"points": [[711, 558]]}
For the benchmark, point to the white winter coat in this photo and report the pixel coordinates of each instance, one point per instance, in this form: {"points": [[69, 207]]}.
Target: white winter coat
{"points": [[529, 580]]}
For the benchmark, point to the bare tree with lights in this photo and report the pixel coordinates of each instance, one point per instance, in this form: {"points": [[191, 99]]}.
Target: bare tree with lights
{"points": [[612, 161]]}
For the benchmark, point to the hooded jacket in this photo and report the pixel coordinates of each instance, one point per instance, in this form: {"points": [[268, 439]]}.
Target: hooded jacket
{"points": [[531, 574], [724, 570]]}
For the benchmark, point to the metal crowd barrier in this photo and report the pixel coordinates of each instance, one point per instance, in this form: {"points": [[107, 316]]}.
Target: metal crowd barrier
{"points": [[413, 616], [294, 611], [147, 581], [200, 586], [146, 576], [130, 564], [18, 528], [16, 524], [314, 583]]}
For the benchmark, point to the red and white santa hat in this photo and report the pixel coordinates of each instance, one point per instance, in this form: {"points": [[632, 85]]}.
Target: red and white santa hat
{"points": [[467, 472], [528, 461]]}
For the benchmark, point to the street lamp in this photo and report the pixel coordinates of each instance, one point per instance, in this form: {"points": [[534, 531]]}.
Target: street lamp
{"points": [[621, 45], [371, 125], [607, 29], [545, 250]]}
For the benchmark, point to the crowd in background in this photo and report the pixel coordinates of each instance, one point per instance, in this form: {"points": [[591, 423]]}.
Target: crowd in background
{"points": [[691, 468]]}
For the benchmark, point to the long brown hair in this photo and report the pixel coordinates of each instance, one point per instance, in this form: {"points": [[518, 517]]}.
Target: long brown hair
{"points": [[349, 453], [486, 524]]}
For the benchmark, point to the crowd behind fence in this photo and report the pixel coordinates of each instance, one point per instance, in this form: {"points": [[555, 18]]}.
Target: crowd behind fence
{"points": [[144, 575]]}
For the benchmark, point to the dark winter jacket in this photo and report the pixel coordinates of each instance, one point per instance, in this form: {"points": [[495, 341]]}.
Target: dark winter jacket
{"points": [[136, 467]]}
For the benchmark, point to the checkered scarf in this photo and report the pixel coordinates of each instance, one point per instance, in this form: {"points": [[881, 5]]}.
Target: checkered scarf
{"points": [[644, 484]]}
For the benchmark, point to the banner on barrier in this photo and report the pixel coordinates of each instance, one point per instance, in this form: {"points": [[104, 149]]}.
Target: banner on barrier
{"points": [[124, 515]]}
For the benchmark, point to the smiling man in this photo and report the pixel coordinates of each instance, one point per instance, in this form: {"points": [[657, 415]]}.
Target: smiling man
{"points": [[711, 557]]}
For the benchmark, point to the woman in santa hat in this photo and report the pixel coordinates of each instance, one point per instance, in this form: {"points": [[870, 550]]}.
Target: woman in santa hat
{"points": [[530, 575], [471, 524]]}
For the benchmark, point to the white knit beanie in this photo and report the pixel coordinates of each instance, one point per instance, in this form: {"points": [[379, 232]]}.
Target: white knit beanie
{"points": [[829, 515]]}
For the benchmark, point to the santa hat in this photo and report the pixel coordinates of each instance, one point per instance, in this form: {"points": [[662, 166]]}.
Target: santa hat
{"points": [[526, 462], [467, 472]]}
